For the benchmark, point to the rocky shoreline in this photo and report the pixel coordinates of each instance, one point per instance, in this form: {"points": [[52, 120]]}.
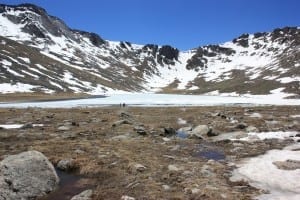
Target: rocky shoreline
{"points": [[153, 153]]}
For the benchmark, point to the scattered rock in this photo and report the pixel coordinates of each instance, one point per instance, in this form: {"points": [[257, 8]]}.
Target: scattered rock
{"points": [[251, 129], [256, 115], [195, 190], [168, 131], [165, 139], [64, 128], [79, 151], [27, 125], [174, 168], [140, 130], [166, 187], [288, 164], [74, 123], [212, 133], [124, 115], [27, 175], [66, 165], [120, 122], [241, 126], [85, 195], [206, 172], [125, 197], [121, 137], [181, 121], [139, 167]]}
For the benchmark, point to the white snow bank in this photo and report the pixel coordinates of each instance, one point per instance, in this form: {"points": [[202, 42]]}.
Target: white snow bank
{"points": [[271, 135], [261, 173]]}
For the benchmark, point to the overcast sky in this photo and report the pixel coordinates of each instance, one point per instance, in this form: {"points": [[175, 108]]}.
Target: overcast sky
{"points": [[183, 24]]}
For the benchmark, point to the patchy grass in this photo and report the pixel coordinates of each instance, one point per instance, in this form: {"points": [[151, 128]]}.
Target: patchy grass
{"points": [[99, 154]]}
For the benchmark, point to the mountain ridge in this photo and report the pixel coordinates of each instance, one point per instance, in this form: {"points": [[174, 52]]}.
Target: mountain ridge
{"points": [[80, 61]]}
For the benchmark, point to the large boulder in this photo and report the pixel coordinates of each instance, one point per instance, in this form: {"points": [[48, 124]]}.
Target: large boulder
{"points": [[27, 175]]}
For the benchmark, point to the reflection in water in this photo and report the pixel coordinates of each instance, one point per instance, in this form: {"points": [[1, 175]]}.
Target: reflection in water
{"points": [[69, 186]]}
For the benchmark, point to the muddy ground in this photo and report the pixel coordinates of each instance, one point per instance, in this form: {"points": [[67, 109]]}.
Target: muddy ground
{"points": [[136, 157]]}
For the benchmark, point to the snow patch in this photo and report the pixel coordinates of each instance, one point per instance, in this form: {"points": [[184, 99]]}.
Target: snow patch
{"points": [[281, 184], [27, 60], [252, 136], [289, 79], [18, 87]]}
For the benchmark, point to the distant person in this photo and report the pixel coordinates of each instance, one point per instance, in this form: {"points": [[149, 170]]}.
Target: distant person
{"points": [[124, 104]]}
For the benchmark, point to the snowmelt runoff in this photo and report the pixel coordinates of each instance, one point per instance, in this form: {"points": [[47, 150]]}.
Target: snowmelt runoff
{"points": [[156, 100]]}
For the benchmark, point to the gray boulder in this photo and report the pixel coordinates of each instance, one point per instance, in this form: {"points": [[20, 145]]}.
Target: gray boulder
{"points": [[200, 131], [27, 175]]}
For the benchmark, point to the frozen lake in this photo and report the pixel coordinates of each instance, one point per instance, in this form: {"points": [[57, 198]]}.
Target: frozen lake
{"points": [[160, 100]]}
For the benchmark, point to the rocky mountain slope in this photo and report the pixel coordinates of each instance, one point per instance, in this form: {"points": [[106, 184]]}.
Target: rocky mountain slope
{"points": [[41, 53]]}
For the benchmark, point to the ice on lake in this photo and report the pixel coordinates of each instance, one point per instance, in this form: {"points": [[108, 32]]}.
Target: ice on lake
{"points": [[146, 99]]}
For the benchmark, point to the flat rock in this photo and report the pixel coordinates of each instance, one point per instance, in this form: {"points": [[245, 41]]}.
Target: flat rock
{"points": [[27, 175], [64, 128], [85, 195]]}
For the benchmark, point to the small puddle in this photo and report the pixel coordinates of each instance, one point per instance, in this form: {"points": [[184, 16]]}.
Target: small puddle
{"points": [[209, 151], [214, 155], [69, 186], [181, 134]]}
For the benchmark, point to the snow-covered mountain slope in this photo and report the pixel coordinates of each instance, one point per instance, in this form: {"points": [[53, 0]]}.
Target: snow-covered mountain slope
{"points": [[40, 52]]}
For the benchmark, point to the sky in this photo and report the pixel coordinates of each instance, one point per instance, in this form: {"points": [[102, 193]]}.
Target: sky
{"points": [[184, 24]]}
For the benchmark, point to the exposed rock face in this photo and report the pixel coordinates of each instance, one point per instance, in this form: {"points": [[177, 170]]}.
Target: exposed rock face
{"points": [[79, 61], [27, 175]]}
